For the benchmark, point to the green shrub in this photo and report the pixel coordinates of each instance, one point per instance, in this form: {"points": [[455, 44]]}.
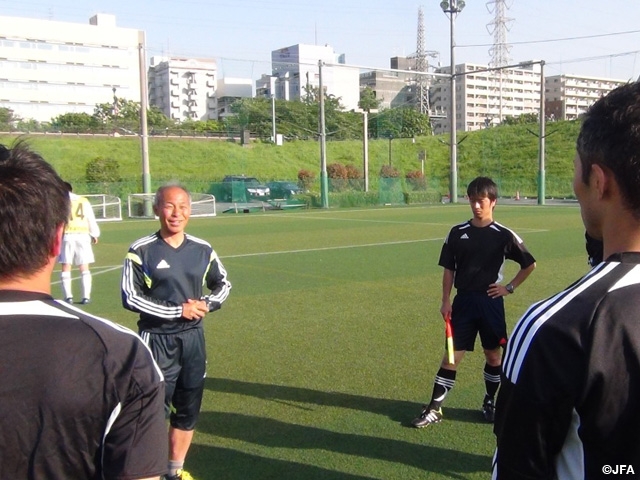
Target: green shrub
{"points": [[306, 179], [102, 170], [338, 176], [389, 171], [415, 180]]}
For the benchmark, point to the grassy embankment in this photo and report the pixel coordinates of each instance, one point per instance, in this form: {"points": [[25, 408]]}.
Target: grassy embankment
{"points": [[509, 154]]}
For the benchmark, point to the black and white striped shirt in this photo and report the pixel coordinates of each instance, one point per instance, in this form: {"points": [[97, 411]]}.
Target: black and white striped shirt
{"points": [[158, 278], [569, 403], [81, 396], [477, 254]]}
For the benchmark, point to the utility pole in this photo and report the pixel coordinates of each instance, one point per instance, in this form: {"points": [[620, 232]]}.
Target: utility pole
{"points": [[453, 8], [365, 149], [541, 140], [324, 188], [273, 118], [144, 134]]}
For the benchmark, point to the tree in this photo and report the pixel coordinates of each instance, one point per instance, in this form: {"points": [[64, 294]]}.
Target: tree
{"points": [[75, 122], [520, 119], [253, 114], [368, 100], [7, 118], [157, 119], [30, 125], [401, 122], [125, 114]]}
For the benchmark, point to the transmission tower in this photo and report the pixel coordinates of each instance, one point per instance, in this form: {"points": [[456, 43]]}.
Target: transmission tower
{"points": [[422, 81], [499, 27], [500, 49]]}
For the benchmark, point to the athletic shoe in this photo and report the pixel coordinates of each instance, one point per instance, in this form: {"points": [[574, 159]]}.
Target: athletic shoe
{"points": [[68, 300], [85, 301], [488, 409], [427, 417], [180, 475]]}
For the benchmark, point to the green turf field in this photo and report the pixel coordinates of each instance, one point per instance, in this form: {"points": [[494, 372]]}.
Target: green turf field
{"points": [[331, 336]]}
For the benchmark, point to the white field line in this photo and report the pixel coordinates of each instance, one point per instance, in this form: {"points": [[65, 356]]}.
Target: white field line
{"points": [[100, 270], [94, 271]]}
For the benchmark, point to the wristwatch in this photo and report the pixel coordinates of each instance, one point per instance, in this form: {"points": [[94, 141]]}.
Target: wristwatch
{"points": [[510, 288]]}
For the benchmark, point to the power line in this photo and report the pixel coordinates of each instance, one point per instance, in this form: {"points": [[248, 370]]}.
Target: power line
{"points": [[552, 40], [588, 59]]}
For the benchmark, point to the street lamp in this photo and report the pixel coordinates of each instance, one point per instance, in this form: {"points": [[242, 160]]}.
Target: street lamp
{"points": [[390, 138], [453, 8]]}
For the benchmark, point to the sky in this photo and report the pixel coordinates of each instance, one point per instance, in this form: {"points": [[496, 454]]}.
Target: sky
{"points": [[589, 37]]}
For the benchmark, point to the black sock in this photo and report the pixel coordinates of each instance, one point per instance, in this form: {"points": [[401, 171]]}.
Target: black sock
{"points": [[492, 379], [445, 379]]}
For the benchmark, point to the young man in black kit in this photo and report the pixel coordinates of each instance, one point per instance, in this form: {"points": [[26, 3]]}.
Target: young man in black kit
{"points": [[81, 397], [473, 256], [163, 280], [568, 405]]}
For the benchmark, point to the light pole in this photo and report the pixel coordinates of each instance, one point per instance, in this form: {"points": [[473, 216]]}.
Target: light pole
{"points": [[390, 139], [273, 118], [272, 91], [453, 8]]}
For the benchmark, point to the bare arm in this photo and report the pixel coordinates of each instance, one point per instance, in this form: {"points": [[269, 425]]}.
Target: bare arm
{"points": [[497, 290], [447, 285]]}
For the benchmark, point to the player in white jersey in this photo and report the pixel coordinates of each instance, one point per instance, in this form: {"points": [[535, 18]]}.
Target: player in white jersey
{"points": [[81, 233]]}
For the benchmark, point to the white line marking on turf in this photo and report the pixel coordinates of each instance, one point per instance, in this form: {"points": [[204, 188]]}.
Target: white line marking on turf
{"points": [[106, 269], [338, 247], [100, 271]]}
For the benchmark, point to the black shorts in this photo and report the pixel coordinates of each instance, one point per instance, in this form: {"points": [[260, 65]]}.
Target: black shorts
{"points": [[476, 312], [182, 358]]}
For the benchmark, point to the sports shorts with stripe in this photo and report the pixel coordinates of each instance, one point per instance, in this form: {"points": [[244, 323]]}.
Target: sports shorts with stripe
{"points": [[476, 312], [183, 360]]}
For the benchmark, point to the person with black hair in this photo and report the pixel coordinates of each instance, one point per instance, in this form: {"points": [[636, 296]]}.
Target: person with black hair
{"points": [[81, 396], [568, 404], [472, 256], [82, 231]]}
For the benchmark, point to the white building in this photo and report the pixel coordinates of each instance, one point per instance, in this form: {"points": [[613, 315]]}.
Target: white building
{"points": [[484, 98], [296, 68], [230, 90], [569, 96], [49, 68], [183, 88]]}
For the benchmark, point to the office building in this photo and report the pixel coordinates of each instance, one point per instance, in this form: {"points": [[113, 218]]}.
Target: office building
{"points": [[296, 70], [229, 90], [49, 68]]}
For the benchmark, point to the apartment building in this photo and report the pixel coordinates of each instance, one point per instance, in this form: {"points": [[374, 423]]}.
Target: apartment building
{"points": [[569, 96], [49, 68], [184, 88], [485, 97], [296, 67]]}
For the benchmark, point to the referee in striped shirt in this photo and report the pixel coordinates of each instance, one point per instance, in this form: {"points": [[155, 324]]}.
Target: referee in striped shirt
{"points": [[568, 407], [164, 279], [81, 396]]}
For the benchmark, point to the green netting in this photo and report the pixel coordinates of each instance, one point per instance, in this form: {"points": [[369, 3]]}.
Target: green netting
{"points": [[390, 191]]}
